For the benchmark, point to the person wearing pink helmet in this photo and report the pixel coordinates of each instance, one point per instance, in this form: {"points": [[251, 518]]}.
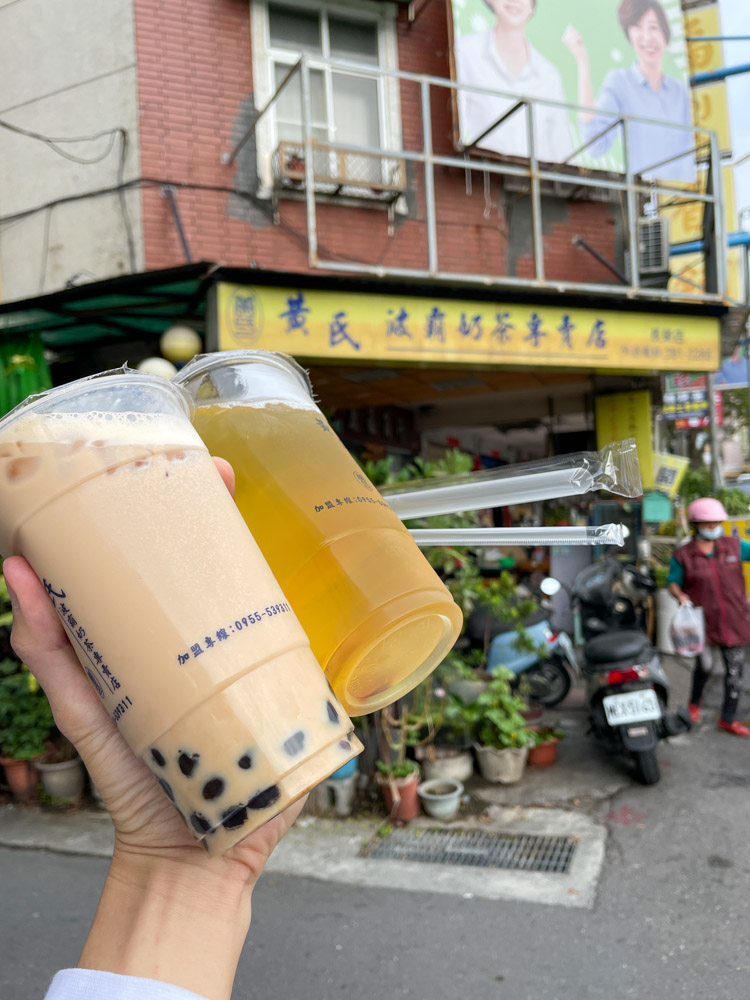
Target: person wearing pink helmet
{"points": [[707, 572]]}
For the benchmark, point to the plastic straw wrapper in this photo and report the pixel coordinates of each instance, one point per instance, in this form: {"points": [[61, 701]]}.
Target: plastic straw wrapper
{"points": [[605, 534], [615, 469]]}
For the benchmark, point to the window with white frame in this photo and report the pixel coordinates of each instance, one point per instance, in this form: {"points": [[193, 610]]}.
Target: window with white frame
{"points": [[351, 107]]}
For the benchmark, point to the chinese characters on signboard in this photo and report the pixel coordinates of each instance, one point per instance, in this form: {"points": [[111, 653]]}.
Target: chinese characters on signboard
{"points": [[353, 326]]}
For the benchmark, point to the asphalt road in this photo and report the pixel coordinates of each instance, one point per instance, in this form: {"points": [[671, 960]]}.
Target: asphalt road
{"points": [[670, 918]]}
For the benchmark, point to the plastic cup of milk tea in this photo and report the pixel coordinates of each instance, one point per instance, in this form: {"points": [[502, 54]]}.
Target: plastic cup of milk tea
{"points": [[177, 620]]}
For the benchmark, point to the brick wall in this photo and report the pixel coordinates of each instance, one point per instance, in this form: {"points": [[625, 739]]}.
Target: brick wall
{"points": [[195, 99]]}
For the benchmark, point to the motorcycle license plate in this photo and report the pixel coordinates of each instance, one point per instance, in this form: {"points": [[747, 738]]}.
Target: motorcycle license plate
{"points": [[635, 706]]}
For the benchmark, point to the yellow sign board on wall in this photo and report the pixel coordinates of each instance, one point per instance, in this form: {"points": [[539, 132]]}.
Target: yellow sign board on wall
{"points": [[711, 111], [704, 57], [356, 326], [689, 273], [628, 415], [686, 215]]}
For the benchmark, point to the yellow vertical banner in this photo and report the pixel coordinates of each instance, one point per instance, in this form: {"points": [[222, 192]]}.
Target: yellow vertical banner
{"points": [[628, 415], [704, 57], [711, 111]]}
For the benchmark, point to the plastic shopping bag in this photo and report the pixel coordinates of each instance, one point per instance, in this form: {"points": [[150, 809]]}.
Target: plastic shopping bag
{"points": [[688, 630]]}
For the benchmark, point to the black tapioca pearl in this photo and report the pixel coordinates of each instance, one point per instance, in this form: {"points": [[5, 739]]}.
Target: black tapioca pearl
{"points": [[295, 743], [213, 788], [158, 757], [333, 715], [245, 762], [265, 798], [199, 823], [234, 817], [167, 788], [345, 744], [188, 762]]}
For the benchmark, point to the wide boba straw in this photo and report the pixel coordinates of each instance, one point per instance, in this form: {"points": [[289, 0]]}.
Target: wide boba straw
{"points": [[378, 617], [178, 622]]}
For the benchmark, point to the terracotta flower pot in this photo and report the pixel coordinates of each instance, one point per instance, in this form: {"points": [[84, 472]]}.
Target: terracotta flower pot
{"points": [[543, 755], [408, 805], [21, 775]]}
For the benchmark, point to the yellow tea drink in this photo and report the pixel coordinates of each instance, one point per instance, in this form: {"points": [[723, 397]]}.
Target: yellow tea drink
{"points": [[378, 617], [107, 490]]}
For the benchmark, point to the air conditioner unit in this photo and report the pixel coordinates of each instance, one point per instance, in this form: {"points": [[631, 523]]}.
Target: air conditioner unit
{"points": [[653, 245], [653, 253]]}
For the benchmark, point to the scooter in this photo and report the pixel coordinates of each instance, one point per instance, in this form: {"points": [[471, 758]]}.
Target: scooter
{"points": [[627, 690], [547, 660]]}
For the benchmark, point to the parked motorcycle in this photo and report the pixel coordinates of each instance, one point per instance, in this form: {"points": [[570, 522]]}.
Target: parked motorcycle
{"points": [[544, 657], [627, 690]]}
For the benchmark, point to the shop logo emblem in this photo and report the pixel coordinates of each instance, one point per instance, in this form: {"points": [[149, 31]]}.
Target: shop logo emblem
{"points": [[246, 317]]}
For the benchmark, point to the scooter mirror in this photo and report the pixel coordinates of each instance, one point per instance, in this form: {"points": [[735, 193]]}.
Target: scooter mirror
{"points": [[550, 586]]}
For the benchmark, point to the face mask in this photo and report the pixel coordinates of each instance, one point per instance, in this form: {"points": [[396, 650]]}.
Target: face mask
{"points": [[710, 534]]}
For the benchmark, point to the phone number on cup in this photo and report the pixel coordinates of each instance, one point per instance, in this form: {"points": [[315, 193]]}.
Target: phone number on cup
{"points": [[223, 634]]}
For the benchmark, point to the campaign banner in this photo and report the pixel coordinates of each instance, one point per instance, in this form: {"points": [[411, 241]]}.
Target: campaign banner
{"points": [[612, 57]]}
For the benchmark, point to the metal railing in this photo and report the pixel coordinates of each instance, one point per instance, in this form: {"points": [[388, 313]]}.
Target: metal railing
{"points": [[638, 191]]}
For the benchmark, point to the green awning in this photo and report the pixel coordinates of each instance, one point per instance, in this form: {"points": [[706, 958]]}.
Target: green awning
{"points": [[135, 305]]}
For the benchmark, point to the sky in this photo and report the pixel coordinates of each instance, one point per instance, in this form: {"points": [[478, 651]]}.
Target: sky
{"points": [[735, 20]]}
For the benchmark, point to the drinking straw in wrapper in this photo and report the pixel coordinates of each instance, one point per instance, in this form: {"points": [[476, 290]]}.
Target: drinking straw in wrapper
{"points": [[614, 469], [605, 534]]}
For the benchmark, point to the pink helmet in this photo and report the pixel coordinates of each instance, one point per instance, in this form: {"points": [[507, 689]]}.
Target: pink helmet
{"points": [[706, 509]]}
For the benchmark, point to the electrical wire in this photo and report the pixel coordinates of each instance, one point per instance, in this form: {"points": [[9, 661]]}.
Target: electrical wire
{"points": [[53, 143], [151, 182]]}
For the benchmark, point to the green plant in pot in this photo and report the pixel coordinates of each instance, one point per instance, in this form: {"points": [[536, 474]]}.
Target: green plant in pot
{"points": [[407, 723], [26, 724], [543, 751], [502, 736]]}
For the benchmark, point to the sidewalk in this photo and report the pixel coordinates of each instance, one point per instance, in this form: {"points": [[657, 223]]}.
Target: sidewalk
{"points": [[552, 801]]}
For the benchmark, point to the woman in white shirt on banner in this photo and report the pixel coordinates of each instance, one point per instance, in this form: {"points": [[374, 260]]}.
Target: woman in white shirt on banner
{"points": [[502, 59]]}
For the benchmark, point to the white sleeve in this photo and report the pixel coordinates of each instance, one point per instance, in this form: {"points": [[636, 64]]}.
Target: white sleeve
{"points": [[87, 984]]}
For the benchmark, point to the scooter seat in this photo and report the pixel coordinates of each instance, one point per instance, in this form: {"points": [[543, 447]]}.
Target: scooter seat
{"points": [[626, 644]]}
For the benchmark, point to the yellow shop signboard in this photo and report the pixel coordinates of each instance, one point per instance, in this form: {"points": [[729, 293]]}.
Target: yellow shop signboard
{"points": [[353, 326]]}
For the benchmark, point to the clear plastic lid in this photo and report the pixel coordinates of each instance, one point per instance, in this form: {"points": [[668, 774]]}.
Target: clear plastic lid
{"points": [[119, 390], [245, 376]]}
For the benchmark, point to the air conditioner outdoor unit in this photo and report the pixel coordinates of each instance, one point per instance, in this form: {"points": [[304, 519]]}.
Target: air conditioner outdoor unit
{"points": [[653, 253], [653, 245]]}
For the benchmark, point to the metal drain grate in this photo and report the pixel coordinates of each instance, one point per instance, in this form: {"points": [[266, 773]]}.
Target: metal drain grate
{"points": [[517, 852]]}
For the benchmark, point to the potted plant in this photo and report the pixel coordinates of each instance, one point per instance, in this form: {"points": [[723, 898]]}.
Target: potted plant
{"points": [[401, 726], [444, 746], [543, 751], [62, 771], [25, 726], [502, 736], [440, 797]]}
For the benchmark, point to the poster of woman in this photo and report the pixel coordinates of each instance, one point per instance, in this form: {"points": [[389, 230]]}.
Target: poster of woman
{"points": [[614, 57]]}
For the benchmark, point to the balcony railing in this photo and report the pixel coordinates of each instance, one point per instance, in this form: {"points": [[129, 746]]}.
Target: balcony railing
{"points": [[314, 167]]}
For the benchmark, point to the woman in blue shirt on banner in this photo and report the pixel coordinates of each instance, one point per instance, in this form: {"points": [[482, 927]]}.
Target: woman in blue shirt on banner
{"points": [[642, 90]]}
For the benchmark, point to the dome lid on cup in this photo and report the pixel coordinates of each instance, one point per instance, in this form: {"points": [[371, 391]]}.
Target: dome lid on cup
{"points": [[231, 376]]}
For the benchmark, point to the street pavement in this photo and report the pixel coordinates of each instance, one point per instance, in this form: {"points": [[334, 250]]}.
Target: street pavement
{"points": [[666, 911]]}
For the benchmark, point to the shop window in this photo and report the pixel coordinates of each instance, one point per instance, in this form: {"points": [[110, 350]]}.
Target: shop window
{"points": [[351, 107]]}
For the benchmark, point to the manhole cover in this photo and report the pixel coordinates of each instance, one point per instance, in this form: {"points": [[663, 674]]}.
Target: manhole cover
{"points": [[517, 852]]}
